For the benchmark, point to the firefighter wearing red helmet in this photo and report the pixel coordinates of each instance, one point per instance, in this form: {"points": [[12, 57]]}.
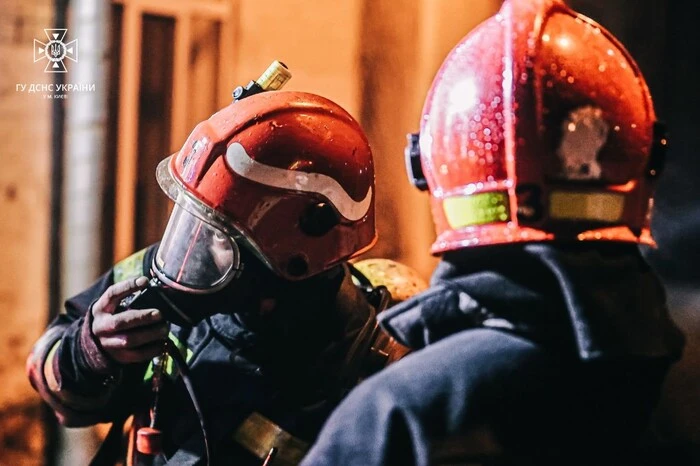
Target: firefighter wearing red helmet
{"points": [[273, 194], [294, 184], [545, 337]]}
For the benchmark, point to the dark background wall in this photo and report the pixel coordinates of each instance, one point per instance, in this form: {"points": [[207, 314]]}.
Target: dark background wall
{"points": [[664, 38], [662, 35]]}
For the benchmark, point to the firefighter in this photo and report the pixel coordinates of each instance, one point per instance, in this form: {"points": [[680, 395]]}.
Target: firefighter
{"points": [[545, 337], [250, 283]]}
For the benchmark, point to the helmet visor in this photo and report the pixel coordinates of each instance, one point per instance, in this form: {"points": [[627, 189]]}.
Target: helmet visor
{"points": [[194, 256]]}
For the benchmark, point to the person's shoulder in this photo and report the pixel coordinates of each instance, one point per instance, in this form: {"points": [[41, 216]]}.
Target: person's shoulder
{"points": [[402, 281], [135, 265]]}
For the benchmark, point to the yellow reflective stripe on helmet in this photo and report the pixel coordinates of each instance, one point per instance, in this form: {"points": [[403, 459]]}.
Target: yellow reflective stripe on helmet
{"points": [[600, 207], [169, 366], [131, 267], [476, 209]]}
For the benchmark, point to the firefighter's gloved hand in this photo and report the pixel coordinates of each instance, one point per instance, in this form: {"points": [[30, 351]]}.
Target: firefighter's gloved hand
{"points": [[123, 336]]}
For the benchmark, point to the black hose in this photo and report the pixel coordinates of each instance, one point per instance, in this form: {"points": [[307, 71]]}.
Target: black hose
{"points": [[185, 373]]}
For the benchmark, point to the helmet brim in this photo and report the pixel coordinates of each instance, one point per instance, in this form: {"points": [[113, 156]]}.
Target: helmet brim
{"points": [[165, 179], [175, 190]]}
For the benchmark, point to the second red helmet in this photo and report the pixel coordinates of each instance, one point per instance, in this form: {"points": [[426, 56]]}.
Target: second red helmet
{"points": [[539, 126]]}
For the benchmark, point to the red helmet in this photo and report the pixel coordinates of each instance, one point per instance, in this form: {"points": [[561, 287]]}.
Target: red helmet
{"points": [[288, 174], [538, 126]]}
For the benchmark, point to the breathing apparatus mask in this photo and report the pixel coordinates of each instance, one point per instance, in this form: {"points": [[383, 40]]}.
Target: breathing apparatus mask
{"points": [[200, 265]]}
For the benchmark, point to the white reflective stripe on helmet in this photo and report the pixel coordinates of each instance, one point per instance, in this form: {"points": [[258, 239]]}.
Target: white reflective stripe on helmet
{"points": [[241, 163]]}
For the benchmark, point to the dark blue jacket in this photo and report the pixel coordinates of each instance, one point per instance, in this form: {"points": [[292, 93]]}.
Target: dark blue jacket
{"points": [[532, 354], [284, 365]]}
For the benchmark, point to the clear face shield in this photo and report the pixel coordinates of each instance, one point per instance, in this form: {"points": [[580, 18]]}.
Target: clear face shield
{"points": [[195, 256]]}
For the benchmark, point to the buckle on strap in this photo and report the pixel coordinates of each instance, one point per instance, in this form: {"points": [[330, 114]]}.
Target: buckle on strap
{"points": [[259, 435]]}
